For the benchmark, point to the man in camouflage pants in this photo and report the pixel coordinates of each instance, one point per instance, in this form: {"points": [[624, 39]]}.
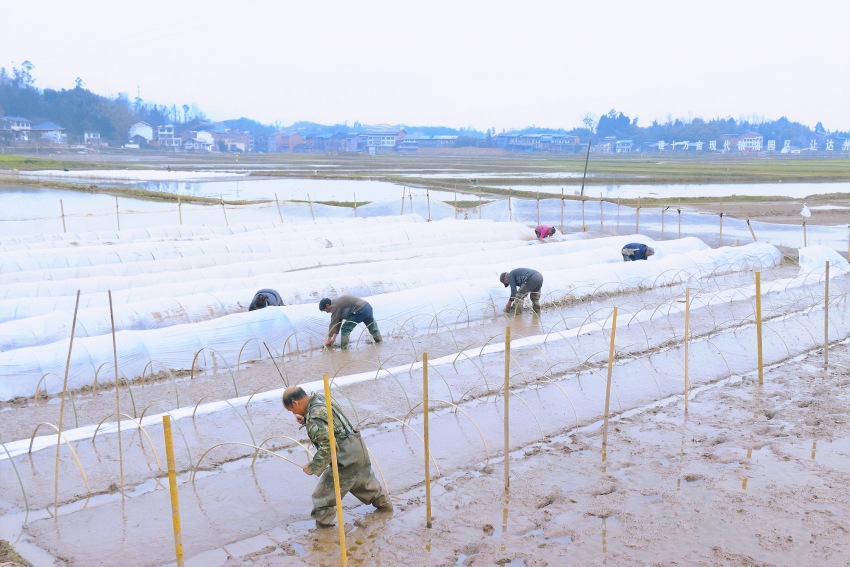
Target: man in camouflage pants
{"points": [[523, 282], [355, 468]]}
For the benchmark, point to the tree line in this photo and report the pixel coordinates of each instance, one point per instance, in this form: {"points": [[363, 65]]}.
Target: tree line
{"points": [[79, 110]]}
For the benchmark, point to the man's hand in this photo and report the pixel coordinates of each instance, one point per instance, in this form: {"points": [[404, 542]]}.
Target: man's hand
{"points": [[306, 469], [508, 306], [299, 419]]}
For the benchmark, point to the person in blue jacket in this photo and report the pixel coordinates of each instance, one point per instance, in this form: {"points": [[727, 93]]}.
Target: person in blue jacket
{"points": [[636, 251]]}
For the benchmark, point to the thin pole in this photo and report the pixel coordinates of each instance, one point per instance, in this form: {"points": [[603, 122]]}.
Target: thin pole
{"points": [[507, 407], [426, 439], [662, 222], [117, 397], [618, 215], [510, 210], [428, 197], [826, 319], [637, 218], [562, 219], [601, 213], [402, 200], [355, 204], [310, 204], [277, 203], [758, 328], [481, 206], [455, 205], [117, 217], [687, 342], [608, 387], [538, 207], [679, 211], [751, 230], [721, 221], [583, 177], [172, 487], [180, 210], [62, 408], [62, 209], [335, 466], [804, 234], [583, 225], [223, 210]]}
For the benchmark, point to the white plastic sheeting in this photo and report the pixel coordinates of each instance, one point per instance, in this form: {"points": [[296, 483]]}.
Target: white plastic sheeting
{"points": [[411, 298]]}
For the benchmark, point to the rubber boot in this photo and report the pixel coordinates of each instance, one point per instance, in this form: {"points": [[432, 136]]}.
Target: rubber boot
{"points": [[343, 341], [383, 504], [373, 330], [345, 333]]}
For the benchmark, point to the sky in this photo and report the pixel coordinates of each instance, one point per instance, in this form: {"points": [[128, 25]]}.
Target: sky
{"points": [[479, 64]]}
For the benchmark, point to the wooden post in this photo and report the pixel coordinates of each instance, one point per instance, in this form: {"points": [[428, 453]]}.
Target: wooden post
{"points": [[721, 221], [826, 318], [335, 469], [310, 204], [355, 204], [62, 209], [172, 488], [804, 234], [687, 342], [679, 210], [179, 210], [426, 439], [507, 407], [277, 202], [637, 218], [562, 220], [601, 213], [117, 397], [608, 387], [758, 328], [223, 210], [117, 217], [403, 189]]}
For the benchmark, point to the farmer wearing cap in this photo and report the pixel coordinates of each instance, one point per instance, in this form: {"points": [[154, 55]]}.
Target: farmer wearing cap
{"points": [[636, 251], [264, 298], [523, 281], [353, 464], [346, 311], [544, 230]]}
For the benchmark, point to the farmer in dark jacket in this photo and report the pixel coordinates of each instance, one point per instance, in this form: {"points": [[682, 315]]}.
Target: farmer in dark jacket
{"points": [[264, 298], [637, 251], [523, 281]]}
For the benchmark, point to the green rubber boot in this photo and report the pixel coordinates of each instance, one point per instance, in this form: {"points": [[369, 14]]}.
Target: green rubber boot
{"points": [[373, 330]]}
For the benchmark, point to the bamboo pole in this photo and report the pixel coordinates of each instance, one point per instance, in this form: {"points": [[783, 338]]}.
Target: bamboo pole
{"points": [[62, 408], [480, 206], [687, 343], [601, 214], [608, 387], [277, 203], [403, 189], [455, 205], [180, 210], [117, 397], [679, 210], [172, 488], [355, 204], [310, 204], [510, 210], [758, 328], [583, 225], [538, 207], [507, 407], [428, 197], [804, 234], [721, 221], [618, 215], [117, 216], [562, 220], [583, 177], [223, 210], [751, 230], [335, 466], [826, 318], [637, 218], [426, 437], [62, 209]]}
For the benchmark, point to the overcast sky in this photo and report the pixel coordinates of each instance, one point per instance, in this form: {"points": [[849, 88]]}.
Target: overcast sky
{"points": [[478, 63]]}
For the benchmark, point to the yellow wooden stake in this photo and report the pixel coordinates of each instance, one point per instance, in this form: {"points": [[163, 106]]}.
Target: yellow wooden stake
{"points": [[172, 487], [687, 337], [507, 406], [608, 387], [335, 467], [826, 319], [758, 327], [426, 439]]}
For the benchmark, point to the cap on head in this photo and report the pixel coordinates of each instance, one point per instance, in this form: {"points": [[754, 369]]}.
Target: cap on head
{"points": [[504, 278], [650, 251], [324, 303]]}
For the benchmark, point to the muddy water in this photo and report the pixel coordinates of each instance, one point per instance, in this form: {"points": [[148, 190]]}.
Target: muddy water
{"points": [[260, 513]]}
